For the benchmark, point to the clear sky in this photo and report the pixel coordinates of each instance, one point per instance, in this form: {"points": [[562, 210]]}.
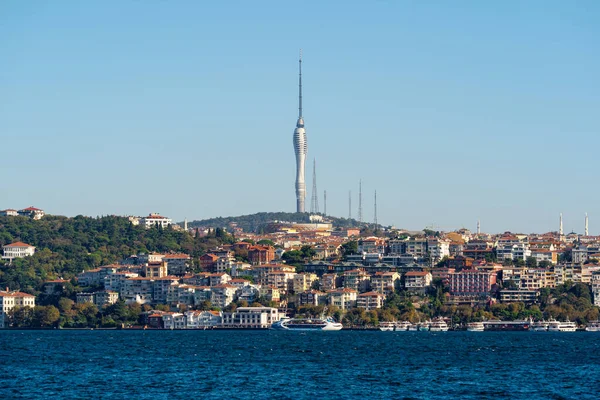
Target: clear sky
{"points": [[452, 110]]}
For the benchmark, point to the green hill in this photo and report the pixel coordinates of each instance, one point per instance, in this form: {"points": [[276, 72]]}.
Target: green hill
{"points": [[254, 222]]}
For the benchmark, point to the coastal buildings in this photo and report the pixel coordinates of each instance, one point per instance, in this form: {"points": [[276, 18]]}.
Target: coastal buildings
{"points": [[251, 317], [17, 250], [472, 283], [154, 219], [32, 212]]}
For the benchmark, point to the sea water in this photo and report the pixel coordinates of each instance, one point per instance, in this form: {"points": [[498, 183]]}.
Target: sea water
{"points": [[298, 365]]}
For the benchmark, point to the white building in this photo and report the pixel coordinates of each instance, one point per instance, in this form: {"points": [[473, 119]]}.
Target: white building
{"points": [[32, 212], [9, 212], [17, 250], [438, 249], [203, 319], [343, 298], [155, 220], [251, 317], [596, 287], [10, 300]]}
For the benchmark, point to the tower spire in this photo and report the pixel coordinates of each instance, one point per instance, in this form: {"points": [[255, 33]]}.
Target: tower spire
{"points": [[300, 86], [478, 227], [586, 225]]}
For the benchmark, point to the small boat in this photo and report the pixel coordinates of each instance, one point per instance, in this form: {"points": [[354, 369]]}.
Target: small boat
{"points": [[475, 327], [413, 327], [438, 325], [593, 326]]}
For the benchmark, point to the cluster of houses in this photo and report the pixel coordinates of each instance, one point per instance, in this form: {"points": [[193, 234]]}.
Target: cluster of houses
{"points": [[473, 267], [30, 212]]}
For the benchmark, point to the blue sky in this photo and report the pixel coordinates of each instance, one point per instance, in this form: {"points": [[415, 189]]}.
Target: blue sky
{"points": [[452, 111]]}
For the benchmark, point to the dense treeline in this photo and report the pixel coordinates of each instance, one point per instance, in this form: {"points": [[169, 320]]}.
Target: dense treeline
{"points": [[66, 246]]}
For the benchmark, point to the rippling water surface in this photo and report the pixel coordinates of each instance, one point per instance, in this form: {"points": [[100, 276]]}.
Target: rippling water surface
{"points": [[298, 365]]}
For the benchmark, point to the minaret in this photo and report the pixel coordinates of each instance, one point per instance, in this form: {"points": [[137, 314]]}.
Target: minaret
{"points": [[586, 225], [478, 227], [300, 147], [185, 224], [560, 226], [324, 202], [314, 200]]}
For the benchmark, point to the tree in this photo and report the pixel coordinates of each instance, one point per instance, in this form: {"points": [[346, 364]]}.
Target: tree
{"points": [[531, 262], [45, 316], [350, 248]]}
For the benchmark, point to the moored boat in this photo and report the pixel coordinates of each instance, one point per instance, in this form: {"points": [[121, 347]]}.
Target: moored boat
{"points": [[560, 326], [307, 324], [475, 327], [540, 326], [438, 325], [396, 326], [593, 326]]}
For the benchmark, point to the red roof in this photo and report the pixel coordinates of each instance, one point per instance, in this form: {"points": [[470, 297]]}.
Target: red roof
{"points": [[31, 208], [18, 244]]}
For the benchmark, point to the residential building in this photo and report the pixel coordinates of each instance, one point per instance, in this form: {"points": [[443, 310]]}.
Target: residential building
{"points": [[385, 282], [472, 283], [523, 296], [370, 300], [54, 286], [96, 276], [104, 298], [177, 264], [154, 219], [208, 261], [595, 283], [417, 281], [222, 295], [343, 298], [10, 300], [357, 279], [9, 213], [438, 249], [17, 250], [155, 269], [137, 290], [311, 298], [32, 212], [259, 255], [328, 282], [303, 281]]}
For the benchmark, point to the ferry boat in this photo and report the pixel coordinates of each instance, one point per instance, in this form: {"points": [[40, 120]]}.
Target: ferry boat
{"points": [[475, 327], [307, 324], [507, 325], [394, 326], [540, 326], [559, 326], [438, 325], [593, 326]]}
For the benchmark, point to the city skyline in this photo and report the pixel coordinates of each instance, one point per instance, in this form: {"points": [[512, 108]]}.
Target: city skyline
{"points": [[448, 114]]}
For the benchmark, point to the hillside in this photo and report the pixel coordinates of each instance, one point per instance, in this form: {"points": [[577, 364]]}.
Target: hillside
{"points": [[254, 222], [66, 246]]}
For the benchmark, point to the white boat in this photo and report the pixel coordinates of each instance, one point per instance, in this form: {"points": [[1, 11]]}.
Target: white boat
{"points": [[540, 326], [438, 325], [424, 326], [593, 326], [394, 326], [475, 327], [413, 327], [559, 326], [307, 324]]}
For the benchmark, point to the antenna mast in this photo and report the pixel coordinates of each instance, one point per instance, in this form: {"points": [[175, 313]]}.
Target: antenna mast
{"points": [[300, 85], [360, 201], [375, 219], [314, 201]]}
